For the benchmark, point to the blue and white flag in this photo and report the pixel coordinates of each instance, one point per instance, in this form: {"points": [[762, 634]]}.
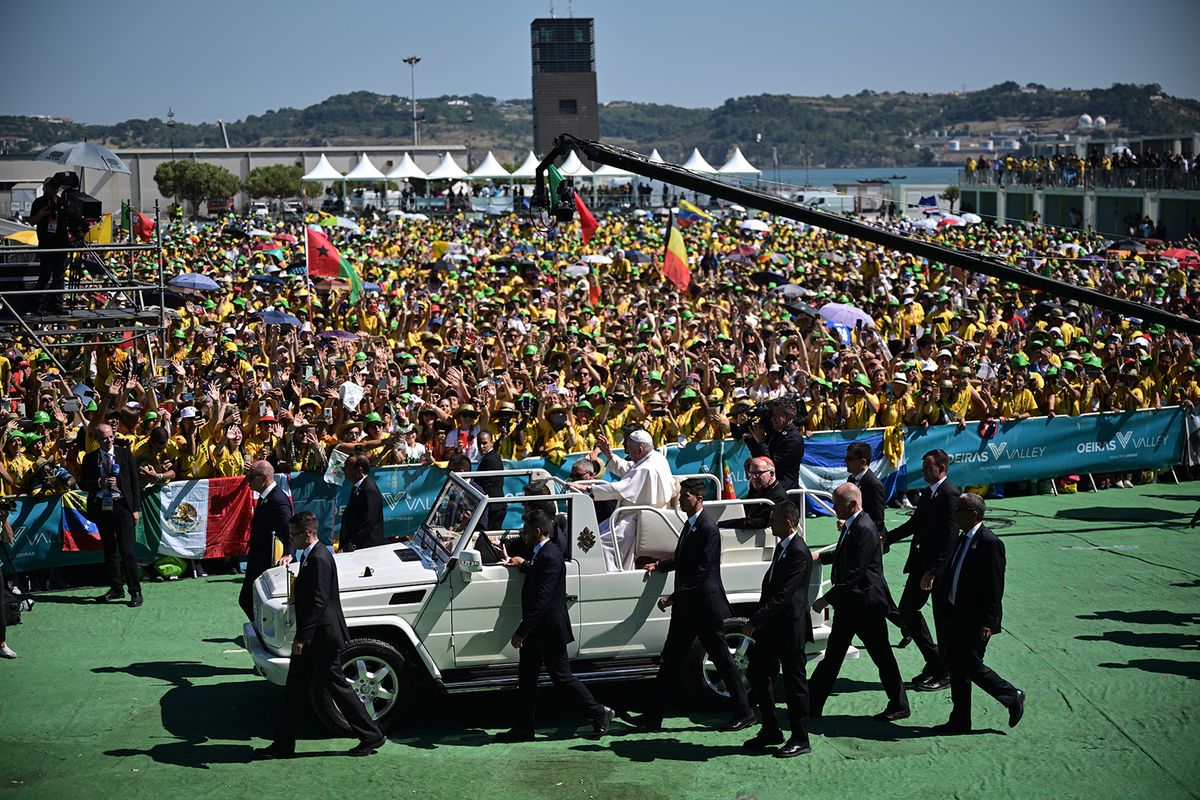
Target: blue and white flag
{"points": [[824, 467]]}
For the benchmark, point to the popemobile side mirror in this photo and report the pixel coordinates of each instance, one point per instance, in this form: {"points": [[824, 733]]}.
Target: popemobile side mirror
{"points": [[469, 563]]}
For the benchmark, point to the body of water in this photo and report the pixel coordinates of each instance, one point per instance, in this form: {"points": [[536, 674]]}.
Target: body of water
{"points": [[941, 176]]}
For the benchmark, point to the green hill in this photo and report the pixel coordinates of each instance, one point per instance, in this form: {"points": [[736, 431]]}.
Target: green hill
{"points": [[866, 129]]}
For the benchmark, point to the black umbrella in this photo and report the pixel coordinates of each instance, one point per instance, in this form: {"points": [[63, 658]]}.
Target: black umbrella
{"points": [[765, 278], [638, 257], [738, 258]]}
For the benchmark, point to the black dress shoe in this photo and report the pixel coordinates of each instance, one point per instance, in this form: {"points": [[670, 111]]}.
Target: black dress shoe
{"points": [[1016, 710], [366, 748], [793, 748], [921, 677], [110, 595], [646, 722], [904, 642], [271, 751], [950, 729], [602, 721], [738, 723], [763, 739], [890, 714], [515, 735], [136, 600], [935, 684]]}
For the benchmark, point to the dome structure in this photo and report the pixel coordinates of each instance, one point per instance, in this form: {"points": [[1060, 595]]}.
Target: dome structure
{"points": [[1100, 122], [1084, 121]]}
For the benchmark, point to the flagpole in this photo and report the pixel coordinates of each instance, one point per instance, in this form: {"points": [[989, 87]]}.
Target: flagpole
{"points": [[667, 241]]}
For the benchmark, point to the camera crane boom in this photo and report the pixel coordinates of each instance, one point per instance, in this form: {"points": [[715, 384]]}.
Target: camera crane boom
{"points": [[562, 208]]}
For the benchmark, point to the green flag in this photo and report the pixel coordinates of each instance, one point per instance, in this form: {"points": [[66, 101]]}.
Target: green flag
{"points": [[555, 179], [351, 275]]}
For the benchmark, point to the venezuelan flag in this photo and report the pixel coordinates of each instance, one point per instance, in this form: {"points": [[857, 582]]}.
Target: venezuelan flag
{"points": [[689, 213]]}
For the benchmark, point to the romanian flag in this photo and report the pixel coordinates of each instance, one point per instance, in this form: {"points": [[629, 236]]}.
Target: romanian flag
{"points": [[675, 262], [587, 222], [689, 213], [78, 532]]}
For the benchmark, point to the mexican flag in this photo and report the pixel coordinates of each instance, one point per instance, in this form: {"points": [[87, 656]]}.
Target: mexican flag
{"points": [[200, 519]]}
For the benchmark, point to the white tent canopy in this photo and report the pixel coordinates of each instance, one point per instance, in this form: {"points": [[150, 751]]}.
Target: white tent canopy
{"points": [[490, 168], [696, 163], [574, 168], [528, 167], [364, 170], [655, 157], [738, 165], [323, 171], [608, 171], [407, 168], [447, 170]]}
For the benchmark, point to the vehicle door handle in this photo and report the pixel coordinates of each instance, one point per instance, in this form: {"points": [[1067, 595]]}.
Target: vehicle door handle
{"points": [[571, 598]]}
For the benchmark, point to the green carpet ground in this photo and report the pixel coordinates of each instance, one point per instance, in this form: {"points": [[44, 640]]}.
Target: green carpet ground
{"points": [[1101, 619]]}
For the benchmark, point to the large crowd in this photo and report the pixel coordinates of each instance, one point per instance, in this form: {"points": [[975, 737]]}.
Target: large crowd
{"points": [[1121, 169], [472, 325]]}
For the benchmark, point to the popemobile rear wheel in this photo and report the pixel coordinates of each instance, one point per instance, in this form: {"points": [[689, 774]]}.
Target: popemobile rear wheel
{"points": [[378, 674]]}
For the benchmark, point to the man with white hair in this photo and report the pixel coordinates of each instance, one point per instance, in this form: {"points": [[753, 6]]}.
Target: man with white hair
{"points": [[643, 479]]}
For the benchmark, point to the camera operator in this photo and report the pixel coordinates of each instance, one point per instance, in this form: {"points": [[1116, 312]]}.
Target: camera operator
{"points": [[776, 436], [45, 214]]}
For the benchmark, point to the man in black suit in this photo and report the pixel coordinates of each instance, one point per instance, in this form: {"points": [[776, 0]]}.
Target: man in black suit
{"points": [[362, 524], [781, 627], [933, 530], [859, 604], [701, 609], [970, 595], [490, 461], [874, 501], [109, 475], [782, 442], [321, 634], [763, 485], [545, 630], [272, 510]]}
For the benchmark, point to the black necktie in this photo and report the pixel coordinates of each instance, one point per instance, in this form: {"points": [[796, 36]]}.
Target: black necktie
{"points": [[302, 557], [775, 559], [683, 535], [956, 564]]}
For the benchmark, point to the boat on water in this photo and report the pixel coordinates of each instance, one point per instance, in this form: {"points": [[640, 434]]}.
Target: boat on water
{"points": [[897, 177]]}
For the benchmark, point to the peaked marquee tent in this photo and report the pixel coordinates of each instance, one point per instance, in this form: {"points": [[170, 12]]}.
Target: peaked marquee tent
{"points": [[407, 168], [738, 165], [490, 168], [447, 170]]}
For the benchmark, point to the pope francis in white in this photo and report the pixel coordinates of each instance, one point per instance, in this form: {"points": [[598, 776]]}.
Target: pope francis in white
{"points": [[643, 479]]}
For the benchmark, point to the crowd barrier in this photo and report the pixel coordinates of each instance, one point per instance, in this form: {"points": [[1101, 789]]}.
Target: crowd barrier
{"points": [[1031, 449]]}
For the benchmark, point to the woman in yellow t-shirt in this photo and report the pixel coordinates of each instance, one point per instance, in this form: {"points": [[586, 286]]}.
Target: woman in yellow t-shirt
{"points": [[229, 456]]}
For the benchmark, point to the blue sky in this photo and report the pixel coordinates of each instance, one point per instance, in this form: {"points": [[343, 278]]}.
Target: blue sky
{"points": [[229, 58]]}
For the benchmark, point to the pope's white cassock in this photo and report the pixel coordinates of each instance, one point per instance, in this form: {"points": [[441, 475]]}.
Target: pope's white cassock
{"points": [[647, 482]]}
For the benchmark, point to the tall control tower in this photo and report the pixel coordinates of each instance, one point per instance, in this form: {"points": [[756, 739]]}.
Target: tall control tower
{"points": [[564, 80]]}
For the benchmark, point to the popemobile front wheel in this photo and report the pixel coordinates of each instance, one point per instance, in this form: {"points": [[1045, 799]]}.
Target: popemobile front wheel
{"points": [[377, 673], [705, 685]]}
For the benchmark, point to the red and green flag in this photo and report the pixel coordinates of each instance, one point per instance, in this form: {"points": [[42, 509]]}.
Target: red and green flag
{"points": [[324, 261]]}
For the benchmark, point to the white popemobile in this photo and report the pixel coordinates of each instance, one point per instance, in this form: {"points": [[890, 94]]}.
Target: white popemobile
{"points": [[432, 611]]}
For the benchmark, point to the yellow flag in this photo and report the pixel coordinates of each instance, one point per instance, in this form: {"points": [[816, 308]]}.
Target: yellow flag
{"points": [[101, 232], [439, 249]]}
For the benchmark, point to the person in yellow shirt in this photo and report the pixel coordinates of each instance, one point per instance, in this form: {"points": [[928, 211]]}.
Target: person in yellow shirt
{"points": [[1016, 401], [822, 409], [659, 422], [859, 406], [16, 467], [556, 437], [194, 447], [229, 456]]}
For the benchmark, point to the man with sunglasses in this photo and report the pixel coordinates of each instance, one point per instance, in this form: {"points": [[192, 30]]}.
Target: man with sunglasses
{"points": [[763, 485]]}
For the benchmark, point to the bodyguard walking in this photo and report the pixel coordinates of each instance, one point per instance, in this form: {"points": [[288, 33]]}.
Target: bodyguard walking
{"points": [[701, 609], [272, 511], [933, 530], [781, 627], [859, 605], [321, 634], [970, 597], [545, 631]]}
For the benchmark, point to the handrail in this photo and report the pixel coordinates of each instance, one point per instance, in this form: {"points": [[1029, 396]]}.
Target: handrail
{"points": [[622, 511], [704, 476]]}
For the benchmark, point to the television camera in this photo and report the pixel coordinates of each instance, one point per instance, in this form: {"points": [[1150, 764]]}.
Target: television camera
{"points": [[76, 208]]}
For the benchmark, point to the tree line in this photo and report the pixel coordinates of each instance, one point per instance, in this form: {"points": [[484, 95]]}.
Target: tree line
{"points": [[197, 182]]}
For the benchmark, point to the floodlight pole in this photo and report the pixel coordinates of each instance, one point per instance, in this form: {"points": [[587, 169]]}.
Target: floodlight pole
{"points": [[412, 62]]}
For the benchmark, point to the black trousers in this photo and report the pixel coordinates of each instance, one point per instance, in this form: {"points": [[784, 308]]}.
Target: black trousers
{"points": [[767, 658], [683, 630], [893, 612], [965, 658], [320, 664], [246, 595], [870, 627], [911, 602], [116, 536], [535, 655], [52, 274]]}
